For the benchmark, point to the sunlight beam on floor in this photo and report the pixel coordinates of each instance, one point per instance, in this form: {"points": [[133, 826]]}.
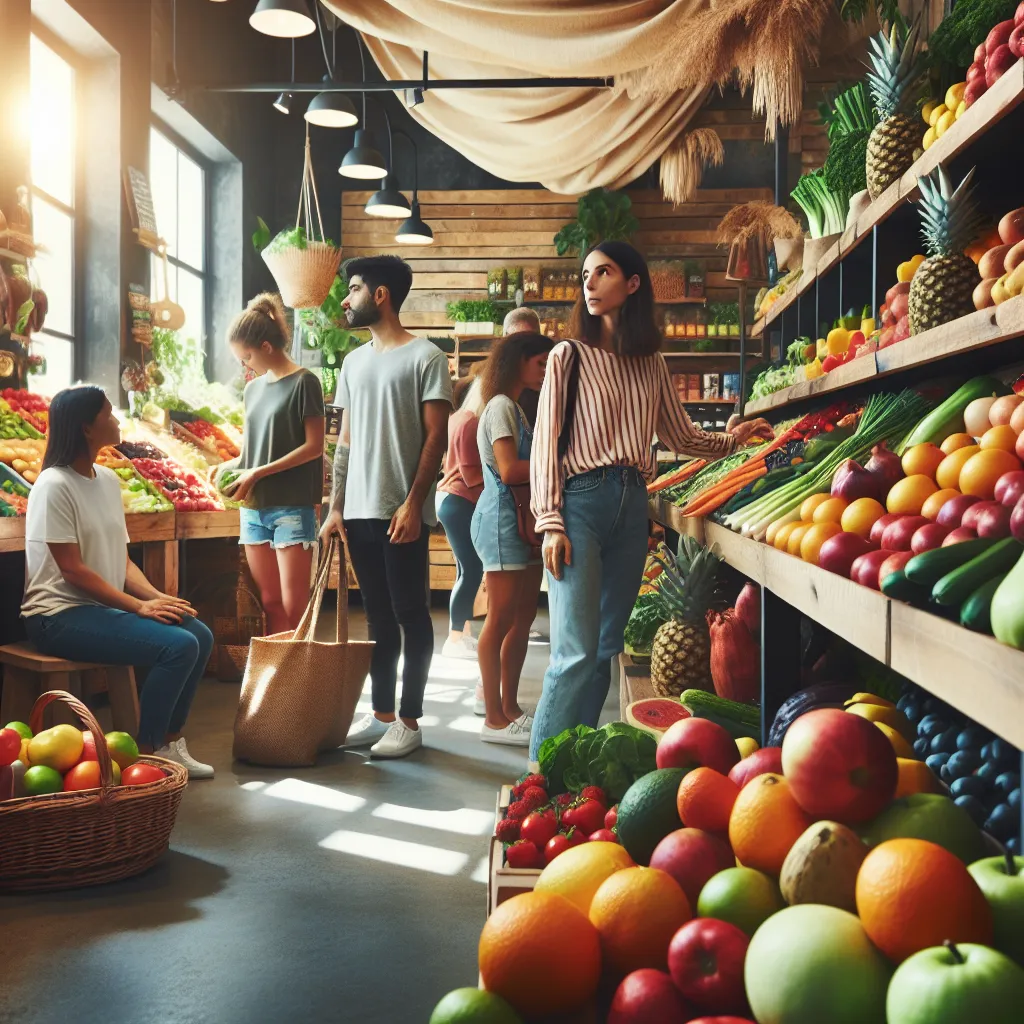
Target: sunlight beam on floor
{"points": [[464, 822], [481, 871], [395, 851], [466, 723], [315, 796]]}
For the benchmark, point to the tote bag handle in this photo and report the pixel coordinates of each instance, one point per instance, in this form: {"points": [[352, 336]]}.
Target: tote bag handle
{"points": [[306, 629]]}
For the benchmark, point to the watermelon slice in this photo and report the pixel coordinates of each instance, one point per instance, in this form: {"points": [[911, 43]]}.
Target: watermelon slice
{"points": [[655, 714]]}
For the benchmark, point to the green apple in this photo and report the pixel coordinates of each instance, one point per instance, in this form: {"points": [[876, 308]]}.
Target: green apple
{"points": [[742, 896], [1001, 879], [929, 816], [812, 964], [952, 984]]}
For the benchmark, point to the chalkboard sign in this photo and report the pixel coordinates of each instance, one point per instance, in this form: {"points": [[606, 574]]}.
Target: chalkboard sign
{"points": [[140, 202]]}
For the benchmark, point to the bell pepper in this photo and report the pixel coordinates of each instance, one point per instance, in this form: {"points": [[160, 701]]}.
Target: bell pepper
{"points": [[838, 341], [813, 369]]}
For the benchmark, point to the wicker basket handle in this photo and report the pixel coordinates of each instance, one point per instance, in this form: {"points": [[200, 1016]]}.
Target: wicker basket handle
{"points": [[88, 719]]}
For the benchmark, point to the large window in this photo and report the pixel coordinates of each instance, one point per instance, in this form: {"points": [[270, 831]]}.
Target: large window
{"points": [[53, 209], [178, 184]]}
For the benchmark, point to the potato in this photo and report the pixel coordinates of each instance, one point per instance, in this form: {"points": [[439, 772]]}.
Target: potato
{"points": [[1011, 227], [983, 293], [991, 264], [1014, 258]]}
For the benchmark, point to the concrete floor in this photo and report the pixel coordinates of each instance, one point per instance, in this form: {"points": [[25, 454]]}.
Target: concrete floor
{"points": [[353, 891]]}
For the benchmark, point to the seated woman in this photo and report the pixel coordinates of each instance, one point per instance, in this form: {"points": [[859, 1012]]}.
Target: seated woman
{"points": [[85, 600]]}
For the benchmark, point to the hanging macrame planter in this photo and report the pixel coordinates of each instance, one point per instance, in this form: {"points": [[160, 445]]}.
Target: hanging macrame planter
{"points": [[305, 272]]}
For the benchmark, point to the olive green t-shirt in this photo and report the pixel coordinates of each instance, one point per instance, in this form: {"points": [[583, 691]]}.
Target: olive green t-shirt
{"points": [[275, 424]]}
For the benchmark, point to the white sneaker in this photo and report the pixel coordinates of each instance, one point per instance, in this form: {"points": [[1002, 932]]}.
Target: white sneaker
{"points": [[398, 741], [178, 752], [464, 648], [515, 734], [366, 731], [479, 706]]}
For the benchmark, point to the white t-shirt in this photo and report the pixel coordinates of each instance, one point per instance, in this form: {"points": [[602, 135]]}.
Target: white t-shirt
{"points": [[65, 507]]}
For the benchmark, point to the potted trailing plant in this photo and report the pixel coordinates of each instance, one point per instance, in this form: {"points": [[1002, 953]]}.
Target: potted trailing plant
{"points": [[473, 316], [600, 215], [324, 330]]}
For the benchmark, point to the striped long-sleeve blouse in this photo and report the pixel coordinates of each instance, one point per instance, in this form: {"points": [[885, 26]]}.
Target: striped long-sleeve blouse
{"points": [[621, 403]]}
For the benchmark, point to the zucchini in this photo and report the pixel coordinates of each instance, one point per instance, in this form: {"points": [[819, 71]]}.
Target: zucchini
{"points": [[955, 587], [899, 588], [975, 611], [948, 418], [929, 567], [739, 719]]}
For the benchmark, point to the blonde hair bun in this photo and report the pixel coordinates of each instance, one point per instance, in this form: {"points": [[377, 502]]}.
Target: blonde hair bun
{"points": [[263, 319]]}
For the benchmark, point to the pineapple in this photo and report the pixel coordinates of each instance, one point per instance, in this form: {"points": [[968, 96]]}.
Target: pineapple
{"points": [[896, 71], [681, 655], [942, 288]]}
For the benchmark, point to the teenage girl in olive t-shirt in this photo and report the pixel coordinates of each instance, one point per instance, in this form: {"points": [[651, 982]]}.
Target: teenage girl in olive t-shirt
{"points": [[281, 481]]}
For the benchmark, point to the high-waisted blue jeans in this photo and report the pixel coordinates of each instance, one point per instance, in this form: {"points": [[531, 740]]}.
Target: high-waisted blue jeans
{"points": [[175, 656], [456, 515], [605, 515]]}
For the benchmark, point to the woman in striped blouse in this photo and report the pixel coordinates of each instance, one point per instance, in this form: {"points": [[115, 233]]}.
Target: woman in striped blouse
{"points": [[589, 495]]}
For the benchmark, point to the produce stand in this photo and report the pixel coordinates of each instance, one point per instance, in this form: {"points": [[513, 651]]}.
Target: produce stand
{"points": [[504, 882], [634, 682]]}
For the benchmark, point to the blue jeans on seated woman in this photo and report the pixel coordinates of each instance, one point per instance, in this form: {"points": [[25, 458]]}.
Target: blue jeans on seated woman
{"points": [[175, 656]]}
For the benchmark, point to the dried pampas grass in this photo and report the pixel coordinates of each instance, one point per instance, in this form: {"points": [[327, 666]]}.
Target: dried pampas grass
{"points": [[682, 165], [765, 219]]}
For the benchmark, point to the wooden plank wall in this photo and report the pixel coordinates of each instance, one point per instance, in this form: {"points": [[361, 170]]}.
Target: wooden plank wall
{"points": [[476, 231]]}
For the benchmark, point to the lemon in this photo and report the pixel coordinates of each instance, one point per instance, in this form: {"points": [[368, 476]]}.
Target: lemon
{"points": [[943, 123], [926, 110], [960, 108], [936, 113], [580, 871], [954, 95], [929, 138], [746, 745]]}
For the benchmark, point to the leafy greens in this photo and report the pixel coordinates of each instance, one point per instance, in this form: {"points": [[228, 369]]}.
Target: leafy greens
{"points": [[612, 757]]}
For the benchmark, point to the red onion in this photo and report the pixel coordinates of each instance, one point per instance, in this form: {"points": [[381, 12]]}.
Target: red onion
{"points": [[885, 466], [852, 481], [748, 608]]}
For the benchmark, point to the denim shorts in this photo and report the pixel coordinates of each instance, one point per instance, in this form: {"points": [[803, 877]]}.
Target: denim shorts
{"points": [[280, 526], [495, 533]]}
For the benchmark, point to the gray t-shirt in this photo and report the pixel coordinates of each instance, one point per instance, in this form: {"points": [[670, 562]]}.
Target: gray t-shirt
{"points": [[499, 419], [384, 393], [275, 424]]}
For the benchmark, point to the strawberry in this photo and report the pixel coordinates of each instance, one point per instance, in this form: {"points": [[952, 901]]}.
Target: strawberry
{"points": [[588, 816], [534, 797], [555, 845], [507, 830], [531, 780], [611, 819], [564, 799], [518, 810], [595, 793], [523, 854], [539, 827]]}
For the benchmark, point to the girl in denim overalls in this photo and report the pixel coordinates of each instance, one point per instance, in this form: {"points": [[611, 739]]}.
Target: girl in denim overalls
{"points": [[513, 569]]}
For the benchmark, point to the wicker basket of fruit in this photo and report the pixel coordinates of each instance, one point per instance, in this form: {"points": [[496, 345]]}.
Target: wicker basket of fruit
{"points": [[93, 825]]}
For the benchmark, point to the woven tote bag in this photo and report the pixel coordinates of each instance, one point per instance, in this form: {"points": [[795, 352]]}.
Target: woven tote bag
{"points": [[298, 693]]}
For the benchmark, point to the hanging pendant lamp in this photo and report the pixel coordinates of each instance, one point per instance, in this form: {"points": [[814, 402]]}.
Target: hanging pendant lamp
{"points": [[284, 19], [414, 231], [363, 160], [388, 203], [332, 110]]}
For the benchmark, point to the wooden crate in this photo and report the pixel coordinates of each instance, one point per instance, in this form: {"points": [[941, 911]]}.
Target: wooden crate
{"points": [[634, 682], [504, 882]]}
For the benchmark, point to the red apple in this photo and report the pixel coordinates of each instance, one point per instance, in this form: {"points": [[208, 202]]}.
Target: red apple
{"points": [[898, 535], [994, 522], [693, 742], [960, 534], [646, 996], [691, 857], [839, 766], [929, 536], [839, 553], [974, 91], [998, 36], [973, 516], [705, 959], [760, 762], [865, 569], [880, 525], [894, 563], [1017, 521], [1010, 487], [998, 62], [88, 747], [953, 511]]}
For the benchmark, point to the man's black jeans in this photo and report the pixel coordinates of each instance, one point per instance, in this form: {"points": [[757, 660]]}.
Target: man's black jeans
{"points": [[394, 582]]}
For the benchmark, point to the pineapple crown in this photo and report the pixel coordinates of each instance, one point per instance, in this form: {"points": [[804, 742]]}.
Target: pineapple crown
{"points": [[689, 585], [896, 69], [950, 219]]}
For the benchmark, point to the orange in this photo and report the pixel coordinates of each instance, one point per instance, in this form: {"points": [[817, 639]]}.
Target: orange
{"points": [[914, 777], [830, 511], [578, 873], [540, 954], [793, 543], [922, 458], [934, 502], [861, 515], [810, 504], [810, 543], [956, 441], [705, 800], [782, 534], [983, 469], [948, 473], [913, 894], [907, 496], [636, 912], [1004, 437], [765, 822]]}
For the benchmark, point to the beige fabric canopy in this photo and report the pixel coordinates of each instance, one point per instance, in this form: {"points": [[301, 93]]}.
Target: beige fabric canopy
{"points": [[569, 140]]}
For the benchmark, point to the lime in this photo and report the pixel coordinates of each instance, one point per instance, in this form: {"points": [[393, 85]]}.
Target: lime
{"points": [[473, 1006], [21, 729], [40, 780], [123, 749]]}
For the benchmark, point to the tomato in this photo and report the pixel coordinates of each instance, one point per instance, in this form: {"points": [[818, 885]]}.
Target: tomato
{"points": [[86, 775], [10, 746], [141, 774]]}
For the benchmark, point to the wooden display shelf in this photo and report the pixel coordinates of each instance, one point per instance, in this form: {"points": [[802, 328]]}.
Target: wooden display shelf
{"points": [[12, 534], [970, 333], [504, 882], [206, 525], [149, 527], [990, 108], [634, 682], [973, 672]]}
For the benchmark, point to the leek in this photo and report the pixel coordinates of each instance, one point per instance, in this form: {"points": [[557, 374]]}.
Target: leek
{"points": [[825, 210]]}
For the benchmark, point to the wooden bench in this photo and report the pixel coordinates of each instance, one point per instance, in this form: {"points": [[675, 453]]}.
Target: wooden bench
{"points": [[27, 674]]}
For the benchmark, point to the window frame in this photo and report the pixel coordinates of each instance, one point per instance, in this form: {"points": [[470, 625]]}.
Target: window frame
{"points": [[204, 273]]}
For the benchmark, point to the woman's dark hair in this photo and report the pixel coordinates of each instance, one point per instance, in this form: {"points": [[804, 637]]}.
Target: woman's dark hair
{"points": [[71, 411], [637, 333], [263, 319], [501, 371]]}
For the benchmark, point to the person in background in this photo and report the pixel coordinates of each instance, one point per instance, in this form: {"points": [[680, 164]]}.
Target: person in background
{"points": [[282, 470], [396, 394], [513, 569], [85, 600], [457, 494], [518, 320], [590, 500]]}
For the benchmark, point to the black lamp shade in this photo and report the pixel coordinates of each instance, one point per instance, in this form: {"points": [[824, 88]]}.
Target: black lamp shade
{"points": [[413, 231], [332, 110], [388, 203], [363, 160], [283, 103], [285, 19]]}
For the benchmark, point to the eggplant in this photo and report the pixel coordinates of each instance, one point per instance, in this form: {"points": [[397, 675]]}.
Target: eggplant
{"points": [[822, 695]]}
